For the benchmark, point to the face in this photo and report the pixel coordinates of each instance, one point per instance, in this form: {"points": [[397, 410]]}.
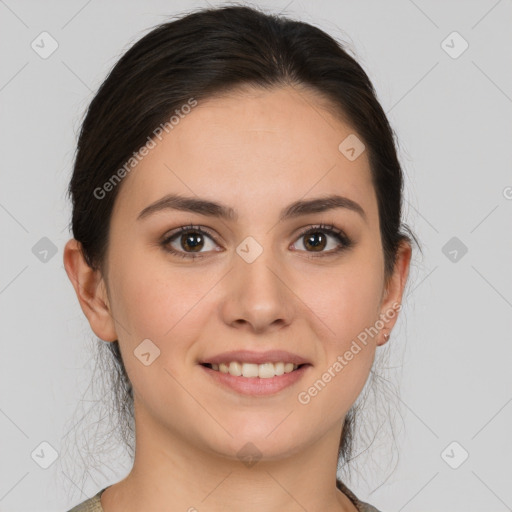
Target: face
{"points": [[265, 278]]}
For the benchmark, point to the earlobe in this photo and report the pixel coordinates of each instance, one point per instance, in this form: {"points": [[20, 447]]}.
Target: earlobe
{"points": [[90, 289], [393, 293]]}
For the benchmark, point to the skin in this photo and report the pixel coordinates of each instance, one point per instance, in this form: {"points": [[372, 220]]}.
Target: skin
{"points": [[257, 152]]}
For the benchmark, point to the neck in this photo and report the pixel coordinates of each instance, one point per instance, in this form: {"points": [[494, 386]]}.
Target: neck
{"points": [[170, 469]]}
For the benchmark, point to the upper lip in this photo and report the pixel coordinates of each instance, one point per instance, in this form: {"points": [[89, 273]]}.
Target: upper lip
{"points": [[247, 356]]}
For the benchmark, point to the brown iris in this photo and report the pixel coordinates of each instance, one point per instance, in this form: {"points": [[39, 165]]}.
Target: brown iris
{"points": [[316, 241], [190, 241]]}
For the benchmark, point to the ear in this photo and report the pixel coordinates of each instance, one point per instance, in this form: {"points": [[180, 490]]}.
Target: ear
{"points": [[91, 291], [394, 289]]}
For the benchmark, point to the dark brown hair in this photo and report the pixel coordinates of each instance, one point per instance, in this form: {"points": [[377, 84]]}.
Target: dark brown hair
{"points": [[206, 53]]}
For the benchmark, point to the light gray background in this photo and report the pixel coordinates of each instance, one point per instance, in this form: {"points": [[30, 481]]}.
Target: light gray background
{"points": [[453, 119]]}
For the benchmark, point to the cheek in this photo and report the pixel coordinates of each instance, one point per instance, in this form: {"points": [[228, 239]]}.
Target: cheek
{"points": [[158, 303], [347, 298], [359, 302], [155, 298], [348, 301], [168, 305]]}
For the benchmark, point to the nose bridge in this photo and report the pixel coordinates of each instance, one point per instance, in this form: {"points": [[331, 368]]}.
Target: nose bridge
{"points": [[253, 268], [257, 275], [258, 294]]}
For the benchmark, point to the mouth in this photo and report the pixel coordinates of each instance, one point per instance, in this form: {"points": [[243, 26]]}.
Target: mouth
{"points": [[252, 370], [255, 373], [255, 380]]}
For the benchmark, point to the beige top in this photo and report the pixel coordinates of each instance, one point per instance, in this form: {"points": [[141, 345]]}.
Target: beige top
{"points": [[94, 504]]}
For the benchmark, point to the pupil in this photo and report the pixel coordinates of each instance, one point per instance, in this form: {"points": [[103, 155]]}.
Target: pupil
{"points": [[189, 243], [313, 241]]}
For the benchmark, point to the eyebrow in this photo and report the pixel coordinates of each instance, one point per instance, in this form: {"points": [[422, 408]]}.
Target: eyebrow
{"points": [[213, 209]]}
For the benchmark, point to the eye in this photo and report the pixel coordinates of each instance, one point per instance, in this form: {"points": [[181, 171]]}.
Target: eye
{"points": [[316, 239], [192, 241], [189, 242]]}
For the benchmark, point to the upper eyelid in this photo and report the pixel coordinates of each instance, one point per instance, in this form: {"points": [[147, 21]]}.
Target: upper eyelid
{"points": [[185, 229]]}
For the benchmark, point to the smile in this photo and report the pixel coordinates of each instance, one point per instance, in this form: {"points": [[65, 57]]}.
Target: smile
{"points": [[246, 378], [251, 370]]}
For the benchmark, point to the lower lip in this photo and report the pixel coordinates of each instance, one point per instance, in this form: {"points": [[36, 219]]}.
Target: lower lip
{"points": [[254, 386]]}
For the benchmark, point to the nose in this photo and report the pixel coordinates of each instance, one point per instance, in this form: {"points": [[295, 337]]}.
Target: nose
{"points": [[257, 297]]}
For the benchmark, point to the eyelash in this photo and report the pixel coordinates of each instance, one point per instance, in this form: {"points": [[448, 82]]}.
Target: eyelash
{"points": [[345, 242]]}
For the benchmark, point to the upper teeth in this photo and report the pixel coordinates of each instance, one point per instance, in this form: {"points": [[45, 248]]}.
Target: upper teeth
{"points": [[263, 371]]}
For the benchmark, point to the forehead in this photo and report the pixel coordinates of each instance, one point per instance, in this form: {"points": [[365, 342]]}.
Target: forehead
{"points": [[251, 148]]}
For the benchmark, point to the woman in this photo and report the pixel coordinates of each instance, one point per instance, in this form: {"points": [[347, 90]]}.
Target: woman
{"points": [[238, 243]]}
